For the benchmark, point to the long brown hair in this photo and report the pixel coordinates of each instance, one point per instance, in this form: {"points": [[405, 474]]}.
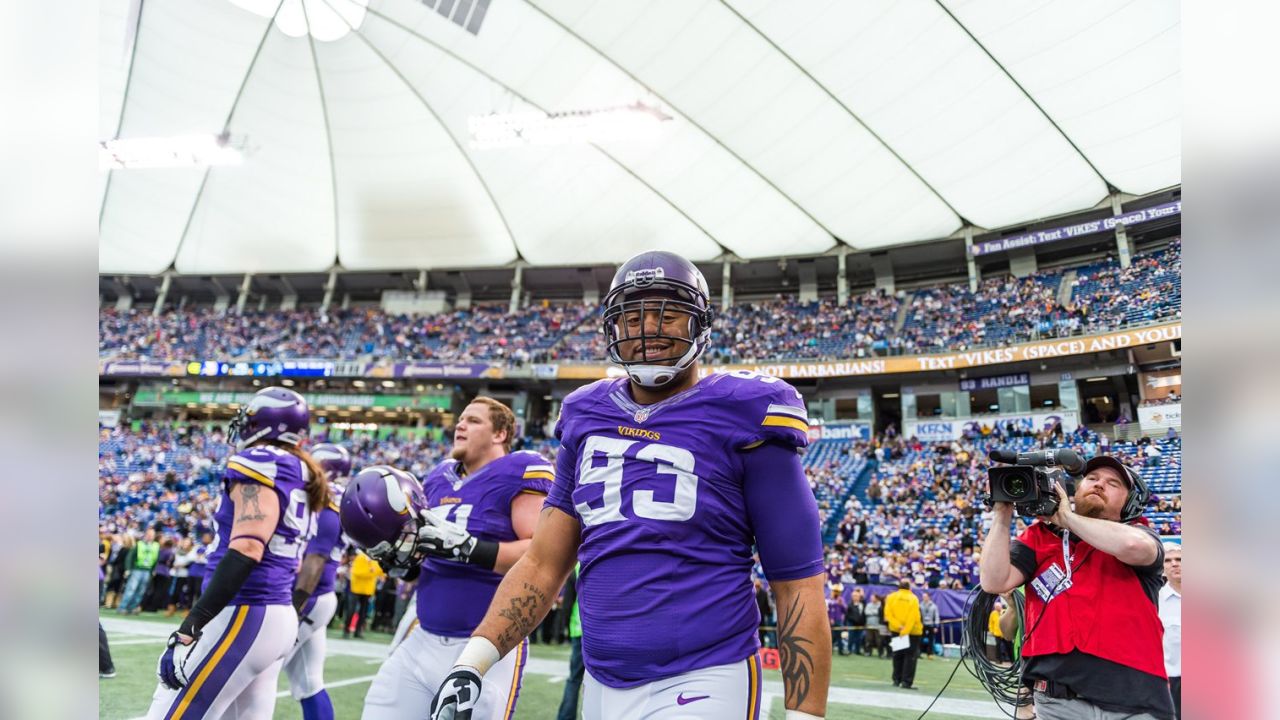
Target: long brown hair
{"points": [[318, 484]]}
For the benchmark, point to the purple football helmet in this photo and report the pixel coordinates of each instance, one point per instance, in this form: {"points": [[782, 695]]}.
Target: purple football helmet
{"points": [[334, 458], [379, 511], [274, 413], [658, 283]]}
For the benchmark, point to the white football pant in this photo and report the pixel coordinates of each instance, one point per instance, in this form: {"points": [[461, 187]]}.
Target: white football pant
{"points": [[407, 682], [305, 662], [233, 668]]}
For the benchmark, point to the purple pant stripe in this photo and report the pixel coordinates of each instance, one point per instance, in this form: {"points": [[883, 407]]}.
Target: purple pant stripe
{"points": [[217, 679]]}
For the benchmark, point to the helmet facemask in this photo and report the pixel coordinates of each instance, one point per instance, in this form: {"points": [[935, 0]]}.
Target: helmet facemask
{"points": [[629, 320]]}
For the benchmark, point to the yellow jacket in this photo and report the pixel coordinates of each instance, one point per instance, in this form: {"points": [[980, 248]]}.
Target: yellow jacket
{"points": [[364, 575], [902, 611], [993, 624]]}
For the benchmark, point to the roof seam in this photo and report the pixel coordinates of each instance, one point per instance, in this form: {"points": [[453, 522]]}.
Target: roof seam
{"points": [[328, 134], [856, 118], [621, 165], [226, 125], [1111, 189], [124, 103], [440, 121], [686, 116]]}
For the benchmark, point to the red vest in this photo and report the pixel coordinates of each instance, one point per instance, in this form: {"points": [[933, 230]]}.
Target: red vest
{"points": [[1104, 612]]}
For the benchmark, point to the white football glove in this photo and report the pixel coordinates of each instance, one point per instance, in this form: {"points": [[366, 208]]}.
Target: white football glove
{"points": [[440, 538], [457, 696]]}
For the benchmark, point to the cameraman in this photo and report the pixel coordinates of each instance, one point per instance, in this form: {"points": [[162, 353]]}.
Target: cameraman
{"points": [[1093, 642]]}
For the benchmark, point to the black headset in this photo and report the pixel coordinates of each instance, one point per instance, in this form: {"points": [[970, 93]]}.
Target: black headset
{"points": [[1139, 494]]}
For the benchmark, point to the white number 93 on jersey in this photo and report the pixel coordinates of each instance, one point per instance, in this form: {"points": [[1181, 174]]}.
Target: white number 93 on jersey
{"points": [[667, 460]]}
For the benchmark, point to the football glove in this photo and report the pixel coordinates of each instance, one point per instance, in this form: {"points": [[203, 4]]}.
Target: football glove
{"points": [[440, 538], [172, 672], [457, 696], [402, 555]]}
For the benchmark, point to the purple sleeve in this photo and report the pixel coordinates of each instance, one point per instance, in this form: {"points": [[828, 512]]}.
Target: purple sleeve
{"points": [[561, 495], [328, 530], [783, 512]]}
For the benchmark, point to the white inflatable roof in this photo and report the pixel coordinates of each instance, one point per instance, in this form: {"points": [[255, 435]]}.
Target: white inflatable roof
{"points": [[793, 126]]}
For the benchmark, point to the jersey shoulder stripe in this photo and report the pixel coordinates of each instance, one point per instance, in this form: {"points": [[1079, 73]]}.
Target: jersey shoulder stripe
{"points": [[262, 471], [785, 421]]}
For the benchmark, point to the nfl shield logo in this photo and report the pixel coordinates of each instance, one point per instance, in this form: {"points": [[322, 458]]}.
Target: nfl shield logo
{"points": [[642, 415]]}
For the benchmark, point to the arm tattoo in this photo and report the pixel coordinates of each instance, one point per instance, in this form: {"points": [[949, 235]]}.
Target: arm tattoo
{"points": [[524, 613], [248, 498], [797, 662]]}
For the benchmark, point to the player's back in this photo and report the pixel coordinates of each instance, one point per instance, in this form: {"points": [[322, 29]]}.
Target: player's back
{"points": [[277, 470], [329, 541], [453, 596], [666, 550]]}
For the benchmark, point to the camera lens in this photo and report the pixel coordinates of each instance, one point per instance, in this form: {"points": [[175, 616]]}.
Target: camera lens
{"points": [[1015, 486]]}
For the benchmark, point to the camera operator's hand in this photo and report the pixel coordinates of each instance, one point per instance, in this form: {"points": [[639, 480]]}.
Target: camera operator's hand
{"points": [[1065, 515]]}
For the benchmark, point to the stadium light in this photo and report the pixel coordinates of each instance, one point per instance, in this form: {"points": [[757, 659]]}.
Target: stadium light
{"points": [[621, 122], [169, 152]]}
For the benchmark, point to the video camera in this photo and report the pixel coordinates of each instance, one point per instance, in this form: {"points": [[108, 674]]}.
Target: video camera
{"points": [[1028, 484]]}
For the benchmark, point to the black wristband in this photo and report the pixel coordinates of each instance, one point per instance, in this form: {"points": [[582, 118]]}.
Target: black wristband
{"points": [[484, 554], [300, 598], [233, 569]]}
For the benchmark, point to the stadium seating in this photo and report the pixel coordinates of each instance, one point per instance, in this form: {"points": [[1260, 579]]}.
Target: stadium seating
{"points": [[920, 514], [1004, 310], [1150, 289]]}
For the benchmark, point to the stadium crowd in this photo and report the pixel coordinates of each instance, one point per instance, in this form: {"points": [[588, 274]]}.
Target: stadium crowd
{"points": [[1004, 310], [895, 507], [921, 515]]}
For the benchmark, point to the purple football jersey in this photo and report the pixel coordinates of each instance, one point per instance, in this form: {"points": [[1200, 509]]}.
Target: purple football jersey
{"points": [[666, 552], [329, 541], [271, 582], [453, 596]]}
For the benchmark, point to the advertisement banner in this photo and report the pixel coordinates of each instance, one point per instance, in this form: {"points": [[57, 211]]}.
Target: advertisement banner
{"points": [[994, 382], [1039, 350], [329, 401], [438, 371], [944, 430], [839, 430], [1086, 228], [140, 368], [1160, 417]]}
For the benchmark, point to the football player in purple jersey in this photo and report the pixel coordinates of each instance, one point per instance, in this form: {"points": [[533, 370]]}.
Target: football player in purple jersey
{"points": [[225, 657], [482, 505], [665, 481], [313, 593]]}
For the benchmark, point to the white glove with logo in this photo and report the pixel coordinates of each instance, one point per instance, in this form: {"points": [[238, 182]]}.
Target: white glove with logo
{"points": [[440, 538], [457, 696]]}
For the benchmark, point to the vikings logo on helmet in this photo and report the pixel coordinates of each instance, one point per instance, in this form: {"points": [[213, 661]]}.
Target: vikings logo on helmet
{"points": [[274, 413], [334, 458], [379, 512], [665, 283]]}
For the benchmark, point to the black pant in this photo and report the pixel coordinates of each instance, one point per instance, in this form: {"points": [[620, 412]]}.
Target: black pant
{"points": [[904, 663], [572, 684], [105, 665], [1175, 689], [929, 638], [357, 614]]}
